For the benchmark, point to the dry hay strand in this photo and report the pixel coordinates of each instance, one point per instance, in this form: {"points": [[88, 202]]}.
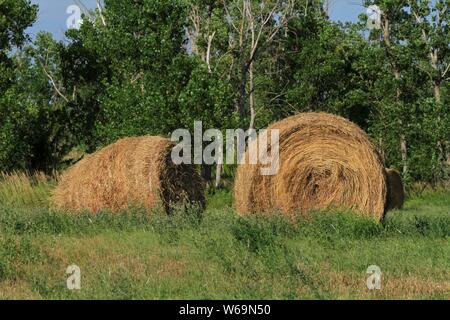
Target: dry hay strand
{"points": [[133, 171], [396, 189], [325, 161]]}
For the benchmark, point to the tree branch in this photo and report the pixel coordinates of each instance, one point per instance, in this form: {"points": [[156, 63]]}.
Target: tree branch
{"points": [[53, 83], [100, 11]]}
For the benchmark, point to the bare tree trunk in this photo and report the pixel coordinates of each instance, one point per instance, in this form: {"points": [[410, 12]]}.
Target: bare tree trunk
{"points": [[208, 63], [444, 155], [403, 142], [437, 92], [404, 152], [382, 154], [243, 91], [218, 175], [252, 98], [208, 51], [397, 75], [100, 11]]}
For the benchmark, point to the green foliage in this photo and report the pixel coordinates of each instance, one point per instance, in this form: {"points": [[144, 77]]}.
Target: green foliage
{"points": [[40, 117], [150, 67], [414, 37], [206, 98], [15, 17], [328, 68]]}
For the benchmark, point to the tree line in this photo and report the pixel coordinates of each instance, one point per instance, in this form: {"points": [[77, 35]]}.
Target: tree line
{"points": [[152, 66]]}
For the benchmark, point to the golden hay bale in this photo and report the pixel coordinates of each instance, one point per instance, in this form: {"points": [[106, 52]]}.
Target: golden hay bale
{"points": [[396, 190], [324, 161], [132, 171]]}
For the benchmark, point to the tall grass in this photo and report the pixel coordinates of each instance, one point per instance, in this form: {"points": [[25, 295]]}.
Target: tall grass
{"points": [[19, 189], [219, 254]]}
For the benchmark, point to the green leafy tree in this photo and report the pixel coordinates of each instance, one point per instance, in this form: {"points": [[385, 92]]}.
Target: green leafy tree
{"points": [[414, 38], [15, 17], [130, 66], [327, 67], [430, 38]]}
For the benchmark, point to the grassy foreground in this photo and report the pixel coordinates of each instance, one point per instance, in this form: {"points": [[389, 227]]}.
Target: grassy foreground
{"points": [[222, 256]]}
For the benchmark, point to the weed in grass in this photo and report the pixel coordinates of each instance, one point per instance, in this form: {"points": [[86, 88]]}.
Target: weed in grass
{"points": [[265, 231]]}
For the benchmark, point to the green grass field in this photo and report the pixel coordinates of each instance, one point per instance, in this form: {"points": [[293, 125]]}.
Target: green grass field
{"points": [[221, 255]]}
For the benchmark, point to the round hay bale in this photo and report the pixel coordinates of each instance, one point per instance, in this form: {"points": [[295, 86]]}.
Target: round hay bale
{"points": [[132, 171], [396, 190], [324, 161]]}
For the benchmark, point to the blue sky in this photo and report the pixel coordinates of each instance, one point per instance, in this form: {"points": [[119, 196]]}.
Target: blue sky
{"points": [[52, 14]]}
